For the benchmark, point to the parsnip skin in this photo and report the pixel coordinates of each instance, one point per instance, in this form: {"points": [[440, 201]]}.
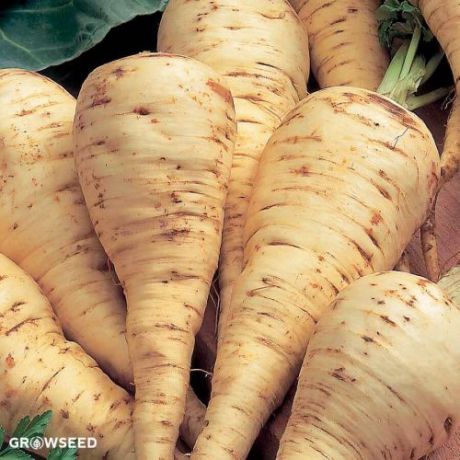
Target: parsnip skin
{"points": [[44, 224], [192, 424], [380, 378], [450, 282], [40, 370], [342, 186], [45, 227], [429, 243], [442, 17], [450, 158], [154, 139], [344, 43], [261, 49]]}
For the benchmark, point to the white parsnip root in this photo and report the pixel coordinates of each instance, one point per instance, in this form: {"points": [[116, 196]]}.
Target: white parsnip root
{"points": [[442, 17], [344, 42], [343, 184], [261, 49], [154, 169], [379, 380], [41, 370], [450, 282], [44, 223], [193, 420]]}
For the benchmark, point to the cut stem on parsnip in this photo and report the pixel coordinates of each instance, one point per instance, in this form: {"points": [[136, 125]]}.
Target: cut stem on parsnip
{"points": [[403, 29]]}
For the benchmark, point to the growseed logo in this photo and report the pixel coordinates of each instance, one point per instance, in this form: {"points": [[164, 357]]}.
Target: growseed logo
{"points": [[38, 443]]}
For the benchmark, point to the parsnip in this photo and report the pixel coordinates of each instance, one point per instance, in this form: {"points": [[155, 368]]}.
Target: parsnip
{"points": [[442, 18], [385, 357], [450, 158], [40, 370], [192, 424], [343, 184], [154, 139], [450, 282], [261, 49], [44, 224], [273, 431], [344, 43]]}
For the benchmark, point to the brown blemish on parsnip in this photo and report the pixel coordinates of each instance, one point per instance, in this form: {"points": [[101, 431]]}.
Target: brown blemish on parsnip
{"points": [[220, 90]]}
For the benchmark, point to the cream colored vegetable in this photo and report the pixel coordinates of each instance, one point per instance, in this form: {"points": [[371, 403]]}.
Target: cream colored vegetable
{"points": [[41, 370], [44, 224], [262, 51], [379, 380], [450, 158], [450, 282], [154, 139], [344, 42], [192, 424], [343, 184], [45, 227], [442, 16]]}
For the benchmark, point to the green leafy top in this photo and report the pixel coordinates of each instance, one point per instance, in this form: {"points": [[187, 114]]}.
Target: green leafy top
{"points": [[62, 454], [402, 29], [399, 19], [30, 429], [37, 34]]}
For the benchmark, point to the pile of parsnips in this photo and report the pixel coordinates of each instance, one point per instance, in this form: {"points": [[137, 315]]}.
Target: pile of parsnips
{"points": [[211, 150]]}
